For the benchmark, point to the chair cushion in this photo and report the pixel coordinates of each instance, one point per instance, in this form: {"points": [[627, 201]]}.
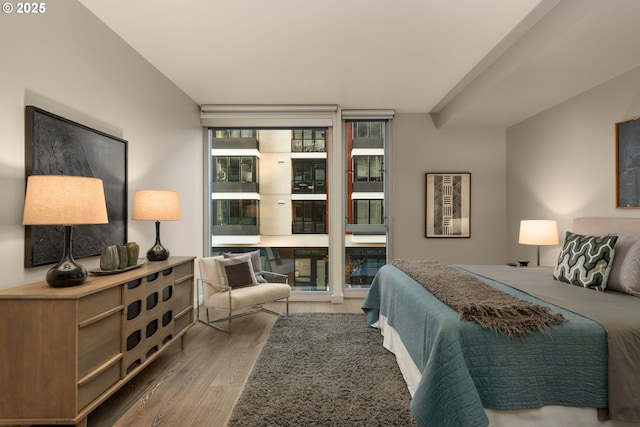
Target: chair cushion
{"points": [[237, 271], [255, 263], [249, 296]]}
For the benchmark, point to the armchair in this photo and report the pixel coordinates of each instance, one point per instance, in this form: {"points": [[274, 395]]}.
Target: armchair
{"points": [[230, 287]]}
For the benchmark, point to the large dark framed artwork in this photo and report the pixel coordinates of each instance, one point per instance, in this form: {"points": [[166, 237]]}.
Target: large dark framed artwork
{"points": [[57, 146], [447, 204], [628, 163]]}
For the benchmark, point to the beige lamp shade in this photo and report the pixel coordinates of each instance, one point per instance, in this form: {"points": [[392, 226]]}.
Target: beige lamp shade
{"points": [[64, 200], [156, 205], [538, 232]]}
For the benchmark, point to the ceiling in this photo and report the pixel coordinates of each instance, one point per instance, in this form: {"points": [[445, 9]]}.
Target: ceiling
{"points": [[467, 62]]}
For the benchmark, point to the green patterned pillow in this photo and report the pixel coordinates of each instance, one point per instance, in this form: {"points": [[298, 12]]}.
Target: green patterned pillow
{"points": [[586, 260]]}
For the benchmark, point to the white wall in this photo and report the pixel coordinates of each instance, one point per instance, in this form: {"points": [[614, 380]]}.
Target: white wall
{"points": [[561, 163], [417, 148], [68, 62]]}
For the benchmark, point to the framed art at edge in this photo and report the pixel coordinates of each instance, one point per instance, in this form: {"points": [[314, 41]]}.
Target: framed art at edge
{"points": [[57, 146], [447, 204], [628, 163]]}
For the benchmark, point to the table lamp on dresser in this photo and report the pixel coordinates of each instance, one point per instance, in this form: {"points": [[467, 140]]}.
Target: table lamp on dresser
{"points": [[65, 201], [156, 205]]}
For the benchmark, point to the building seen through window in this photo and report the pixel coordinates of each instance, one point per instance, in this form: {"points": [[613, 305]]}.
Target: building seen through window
{"points": [[268, 186], [365, 250], [269, 191]]}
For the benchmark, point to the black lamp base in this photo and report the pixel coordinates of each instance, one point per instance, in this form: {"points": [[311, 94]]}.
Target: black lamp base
{"points": [[67, 272], [157, 251]]}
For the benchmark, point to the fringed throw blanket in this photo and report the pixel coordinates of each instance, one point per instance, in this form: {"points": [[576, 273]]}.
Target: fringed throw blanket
{"points": [[479, 302]]}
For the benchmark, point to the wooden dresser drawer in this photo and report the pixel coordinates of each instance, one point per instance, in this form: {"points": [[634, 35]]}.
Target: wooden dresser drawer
{"points": [[183, 294], [182, 320], [100, 302], [98, 342], [96, 385], [183, 270]]}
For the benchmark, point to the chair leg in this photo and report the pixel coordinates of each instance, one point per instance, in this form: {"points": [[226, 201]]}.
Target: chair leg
{"points": [[257, 308], [277, 313], [213, 323]]}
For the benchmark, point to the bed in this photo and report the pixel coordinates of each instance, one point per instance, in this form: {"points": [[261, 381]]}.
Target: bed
{"points": [[584, 371]]}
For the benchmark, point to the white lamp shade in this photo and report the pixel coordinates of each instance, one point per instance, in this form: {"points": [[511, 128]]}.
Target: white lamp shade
{"points": [[538, 232], [64, 200], [156, 205]]}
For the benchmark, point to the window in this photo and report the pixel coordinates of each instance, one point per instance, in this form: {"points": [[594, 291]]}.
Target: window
{"points": [[236, 169], [309, 176], [235, 133], [298, 167], [367, 168], [366, 227], [308, 140], [309, 217], [291, 199], [367, 130], [368, 211], [311, 271], [235, 217], [362, 264]]}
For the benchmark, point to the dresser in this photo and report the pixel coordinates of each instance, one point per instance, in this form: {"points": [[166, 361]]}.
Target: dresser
{"points": [[63, 351]]}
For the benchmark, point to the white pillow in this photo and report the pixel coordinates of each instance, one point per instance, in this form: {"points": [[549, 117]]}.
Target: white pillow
{"points": [[625, 271]]}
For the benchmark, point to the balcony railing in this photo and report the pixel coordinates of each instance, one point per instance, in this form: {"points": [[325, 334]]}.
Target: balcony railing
{"points": [[368, 142], [235, 230], [368, 186], [236, 143], [308, 187], [236, 187]]}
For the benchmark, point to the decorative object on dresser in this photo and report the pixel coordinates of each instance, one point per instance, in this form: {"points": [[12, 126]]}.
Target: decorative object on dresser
{"points": [[116, 259], [538, 232], [133, 250], [57, 146], [65, 201], [447, 204], [109, 259], [69, 349], [156, 205]]}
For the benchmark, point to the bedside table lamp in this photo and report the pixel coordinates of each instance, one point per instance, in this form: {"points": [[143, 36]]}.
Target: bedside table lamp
{"points": [[156, 205], [67, 201], [538, 232]]}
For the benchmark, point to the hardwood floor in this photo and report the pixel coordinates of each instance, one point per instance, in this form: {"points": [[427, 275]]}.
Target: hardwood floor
{"points": [[199, 386]]}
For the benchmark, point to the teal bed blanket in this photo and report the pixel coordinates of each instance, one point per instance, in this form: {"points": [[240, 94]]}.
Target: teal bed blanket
{"points": [[466, 368]]}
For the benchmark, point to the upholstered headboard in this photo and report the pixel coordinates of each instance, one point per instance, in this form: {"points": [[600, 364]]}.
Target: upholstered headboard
{"points": [[599, 226]]}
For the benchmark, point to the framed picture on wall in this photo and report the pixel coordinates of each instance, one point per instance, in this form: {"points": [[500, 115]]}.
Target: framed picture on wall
{"points": [[447, 204], [628, 163], [57, 146]]}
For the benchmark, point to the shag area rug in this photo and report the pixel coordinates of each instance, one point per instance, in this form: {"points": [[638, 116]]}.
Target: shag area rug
{"points": [[319, 369]]}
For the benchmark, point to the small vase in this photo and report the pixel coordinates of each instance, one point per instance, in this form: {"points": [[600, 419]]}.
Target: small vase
{"points": [[109, 259], [133, 250], [122, 257]]}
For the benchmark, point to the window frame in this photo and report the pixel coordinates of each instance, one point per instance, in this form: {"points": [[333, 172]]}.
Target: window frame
{"points": [[266, 116]]}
